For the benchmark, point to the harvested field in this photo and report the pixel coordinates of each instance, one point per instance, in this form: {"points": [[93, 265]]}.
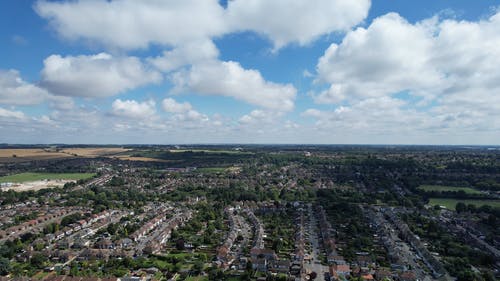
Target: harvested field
{"points": [[94, 151], [30, 154], [144, 159]]}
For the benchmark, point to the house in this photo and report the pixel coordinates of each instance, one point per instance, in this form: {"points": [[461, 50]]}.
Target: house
{"points": [[365, 261], [296, 268], [222, 252], [104, 243], [282, 266], [383, 274], [367, 277], [407, 276], [259, 264], [125, 243], [268, 254], [342, 269], [335, 259]]}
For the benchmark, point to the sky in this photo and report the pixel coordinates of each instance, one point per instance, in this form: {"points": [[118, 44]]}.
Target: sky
{"points": [[250, 71]]}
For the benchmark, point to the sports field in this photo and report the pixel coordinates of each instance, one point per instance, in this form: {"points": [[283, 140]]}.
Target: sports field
{"points": [[451, 203], [443, 188]]}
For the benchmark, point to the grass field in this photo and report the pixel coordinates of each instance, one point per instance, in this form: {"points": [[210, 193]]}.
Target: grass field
{"points": [[27, 177], [197, 278], [442, 188], [451, 203]]}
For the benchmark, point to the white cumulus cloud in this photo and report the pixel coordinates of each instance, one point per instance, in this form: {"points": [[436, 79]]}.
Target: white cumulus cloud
{"points": [[185, 54], [298, 21], [15, 91], [98, 75], [231, 80], [134, 109], [431, 59], [172, 106], [131, 24]]}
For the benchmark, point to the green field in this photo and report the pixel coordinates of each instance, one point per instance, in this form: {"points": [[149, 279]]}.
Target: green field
{"points": [[451, 203], [442, 188], [26, 177]]}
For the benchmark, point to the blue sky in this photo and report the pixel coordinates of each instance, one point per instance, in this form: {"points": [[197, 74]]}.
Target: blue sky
{"points": [[250, 71]]}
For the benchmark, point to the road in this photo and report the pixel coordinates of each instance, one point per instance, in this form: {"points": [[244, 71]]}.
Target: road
{"points": [[315, 264]]}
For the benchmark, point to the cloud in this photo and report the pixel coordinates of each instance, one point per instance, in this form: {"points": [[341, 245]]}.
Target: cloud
{"points": [[5, 113], [433, 59], [98, 75], [390, 56], [134, 109], [172, 106], [231, 80], [186, 54], [15, 91], [182, 111], [300, 21], [260, 117], [131, 24]]}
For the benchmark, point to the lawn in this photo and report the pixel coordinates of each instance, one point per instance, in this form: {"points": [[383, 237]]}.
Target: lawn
{"points": [[442, 188], [196, 278], [451, 203], [26, 177]]}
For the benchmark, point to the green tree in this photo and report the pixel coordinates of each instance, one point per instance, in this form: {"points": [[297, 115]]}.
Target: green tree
{"points": [[38, 260], [4, 266], [460, 207]]}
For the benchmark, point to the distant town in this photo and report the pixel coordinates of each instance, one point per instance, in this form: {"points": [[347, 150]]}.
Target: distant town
{"points": [[249, 212]]}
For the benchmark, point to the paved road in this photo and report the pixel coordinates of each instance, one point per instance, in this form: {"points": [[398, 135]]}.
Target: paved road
{"points": [[315, 265]]}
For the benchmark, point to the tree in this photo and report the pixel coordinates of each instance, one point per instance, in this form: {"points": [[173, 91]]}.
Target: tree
{"points": [[180, 244], [4, 266], [198, 267], [460, 207], [38, 260]]}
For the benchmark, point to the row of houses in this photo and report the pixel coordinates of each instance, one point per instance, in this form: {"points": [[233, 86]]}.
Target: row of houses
{"points": [[152, 224], [36, 225], [258, 241], [296, 267], [430, 261], [223, 256], [158, 239], [74, 278]]}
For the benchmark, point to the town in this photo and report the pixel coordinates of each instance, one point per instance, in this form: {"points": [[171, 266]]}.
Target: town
{"points": [[251, 213]]}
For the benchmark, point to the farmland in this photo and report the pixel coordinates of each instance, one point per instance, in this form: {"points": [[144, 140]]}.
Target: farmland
{"points": [[29, 154], [442, 188], [137, 158], [451, 203], [210, 151], [27, 177], [94, 151]]}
